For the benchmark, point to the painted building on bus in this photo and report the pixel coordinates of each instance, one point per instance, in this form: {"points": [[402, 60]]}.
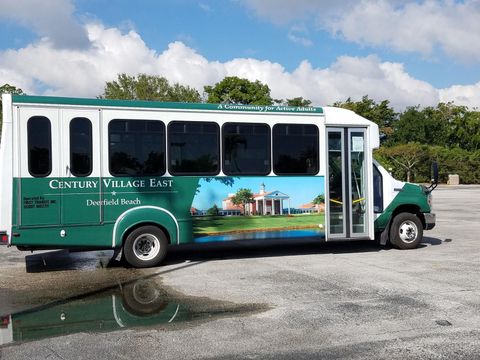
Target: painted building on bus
{"points": [[264, 203]]}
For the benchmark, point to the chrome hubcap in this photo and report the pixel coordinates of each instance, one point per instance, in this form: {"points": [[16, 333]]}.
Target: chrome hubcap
{"points": [[146, 246], [408, 231]]}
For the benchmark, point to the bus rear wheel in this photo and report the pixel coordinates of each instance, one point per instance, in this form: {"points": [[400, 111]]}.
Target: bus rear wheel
{"points": [[406, 231], [145, 246]]}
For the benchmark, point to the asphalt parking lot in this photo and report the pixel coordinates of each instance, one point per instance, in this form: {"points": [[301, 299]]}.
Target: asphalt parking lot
{"points": [[275, 300]]}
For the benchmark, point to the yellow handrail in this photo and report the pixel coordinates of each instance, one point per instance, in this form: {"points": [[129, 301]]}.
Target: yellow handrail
{"points": [[341, 203]]}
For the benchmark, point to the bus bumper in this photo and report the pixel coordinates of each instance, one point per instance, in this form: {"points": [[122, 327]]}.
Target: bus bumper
{"points": [[3, 238], [429, 221]]}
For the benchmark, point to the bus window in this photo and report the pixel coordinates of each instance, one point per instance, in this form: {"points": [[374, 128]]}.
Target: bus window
{"points": [[295, 149], [193, 148], [136, 147], [246, 149], [80, 147], [377, 190], [39, 146]]}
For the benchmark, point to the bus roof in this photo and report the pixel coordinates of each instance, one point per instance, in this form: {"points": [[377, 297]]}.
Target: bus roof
{"points": [[51, 100]]}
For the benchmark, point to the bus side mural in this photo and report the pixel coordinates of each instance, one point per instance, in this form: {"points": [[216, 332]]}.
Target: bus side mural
{"points": [[245, 208]]}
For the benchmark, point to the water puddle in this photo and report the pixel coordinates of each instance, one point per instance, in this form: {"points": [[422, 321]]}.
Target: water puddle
{"points": [[261, 235], [138, 304]]}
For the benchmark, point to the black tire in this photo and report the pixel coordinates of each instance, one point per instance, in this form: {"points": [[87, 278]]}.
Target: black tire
{"points": [[144, 297], [406, 231], [145, 246]]}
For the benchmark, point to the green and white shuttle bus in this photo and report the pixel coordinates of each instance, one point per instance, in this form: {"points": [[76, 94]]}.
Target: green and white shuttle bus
{"points": [[137, 176]]}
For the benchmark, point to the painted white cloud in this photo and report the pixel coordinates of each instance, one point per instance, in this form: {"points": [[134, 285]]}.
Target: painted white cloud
{"points": [[53, 20], [405, 26], [41, 68]]}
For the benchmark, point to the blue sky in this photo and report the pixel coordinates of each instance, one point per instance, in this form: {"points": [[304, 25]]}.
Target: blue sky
{"points": [[222, 30], [409, 52]]}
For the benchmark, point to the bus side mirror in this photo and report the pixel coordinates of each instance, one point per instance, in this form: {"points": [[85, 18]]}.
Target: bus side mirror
{"points": [[434, 183], [435, 173]]}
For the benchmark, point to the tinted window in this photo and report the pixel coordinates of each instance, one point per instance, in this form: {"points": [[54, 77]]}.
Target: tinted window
{"points": [[136, 147], [193, 148], [377, 190], [246, 149], [81, 147], [295, 149], [39, 146]]}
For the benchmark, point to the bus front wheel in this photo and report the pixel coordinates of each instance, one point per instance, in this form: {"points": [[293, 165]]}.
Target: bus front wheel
{"points": [[145, 246], [406, 231]]}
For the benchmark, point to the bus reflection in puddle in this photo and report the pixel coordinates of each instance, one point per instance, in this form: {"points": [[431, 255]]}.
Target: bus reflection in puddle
{"points": [[139, 304]]}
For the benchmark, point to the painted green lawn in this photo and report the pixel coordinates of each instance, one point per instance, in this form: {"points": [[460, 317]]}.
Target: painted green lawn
{"points": [[209, 225]]}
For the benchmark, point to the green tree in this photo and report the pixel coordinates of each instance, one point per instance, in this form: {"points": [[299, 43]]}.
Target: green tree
{"points": [[298, 101], [404, 159], [464, 129], [243, 197], [319, 199], [235, 90], [456, 161], [451, 137], [446, 125], [410, 126], [438, 122], [213, 211], [381, 113], [7, 89], [148, 87]]}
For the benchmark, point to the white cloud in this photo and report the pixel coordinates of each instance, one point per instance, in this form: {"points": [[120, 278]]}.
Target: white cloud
{"points": [[468, 95], [53, 20], [205, 7], [299, 35], [405, 26], [79, 71], [24, 82], [414, 27], [286, 11], [41, 68]]}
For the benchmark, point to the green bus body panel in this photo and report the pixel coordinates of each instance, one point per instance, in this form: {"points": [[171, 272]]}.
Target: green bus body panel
{"points": [[25, 99], [411, 195], [35, 204], [64, 207], [45, 206], [74, 210], [81, 236], [99, 212], [151, 214]]}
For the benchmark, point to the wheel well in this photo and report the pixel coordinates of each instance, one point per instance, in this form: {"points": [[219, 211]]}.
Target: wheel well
{"points": [[413, 209], [136, 226]]}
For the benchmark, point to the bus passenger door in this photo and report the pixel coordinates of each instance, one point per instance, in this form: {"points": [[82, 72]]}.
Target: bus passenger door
{"points": [[37, 203], [347, 182], [80, 170]]}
